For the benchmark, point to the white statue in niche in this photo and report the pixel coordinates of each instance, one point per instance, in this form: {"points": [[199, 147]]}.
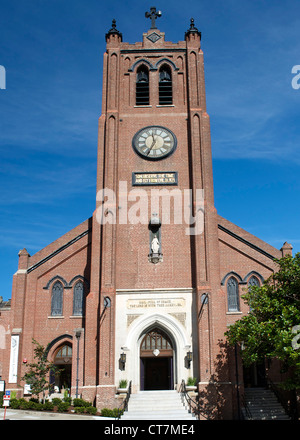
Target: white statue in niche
{"points": [[155, 245]]}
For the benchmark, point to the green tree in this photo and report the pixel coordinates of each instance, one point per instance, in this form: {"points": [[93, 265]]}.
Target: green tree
{"points": [[268, 331], [38, 372]]}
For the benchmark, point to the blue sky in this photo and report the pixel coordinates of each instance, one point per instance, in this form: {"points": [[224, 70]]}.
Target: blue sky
{"points": [[52, 51]]}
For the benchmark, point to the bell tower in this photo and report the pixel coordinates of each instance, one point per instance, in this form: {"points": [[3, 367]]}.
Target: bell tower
{"points": [[155, 260]]}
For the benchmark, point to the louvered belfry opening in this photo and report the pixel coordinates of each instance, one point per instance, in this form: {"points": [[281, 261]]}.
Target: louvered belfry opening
{"points": [[142, 86], [165, 86]]}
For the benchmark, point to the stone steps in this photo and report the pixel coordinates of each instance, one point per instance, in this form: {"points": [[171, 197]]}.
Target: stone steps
{"points": [[264, 405], [156, 405]]}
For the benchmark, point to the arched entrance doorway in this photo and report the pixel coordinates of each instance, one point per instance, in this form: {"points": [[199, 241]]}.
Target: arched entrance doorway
{"points": [[156, 361], [63, 361]]}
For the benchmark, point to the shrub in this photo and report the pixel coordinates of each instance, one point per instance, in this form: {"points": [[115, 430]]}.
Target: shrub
{"points": [[48, 406], [14, 403], [191, 381], [81, 402], [38, 406], [106, 412], [56, 401], [91, 410], [25, 405], [123, 383], [63, 406], [30, 405], [79, 409]]}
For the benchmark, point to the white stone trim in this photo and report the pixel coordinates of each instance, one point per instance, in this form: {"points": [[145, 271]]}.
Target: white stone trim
{"points": [[128, 337]]}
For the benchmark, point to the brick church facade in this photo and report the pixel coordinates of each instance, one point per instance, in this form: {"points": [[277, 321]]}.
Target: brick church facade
{"points": [[132, 293]]}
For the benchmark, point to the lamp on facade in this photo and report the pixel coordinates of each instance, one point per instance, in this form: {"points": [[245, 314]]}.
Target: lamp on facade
{"points": [[123, 360], [189, 358]]}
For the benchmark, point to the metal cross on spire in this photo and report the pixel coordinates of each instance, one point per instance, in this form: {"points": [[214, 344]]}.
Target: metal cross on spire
{"points": [[153, 14]]}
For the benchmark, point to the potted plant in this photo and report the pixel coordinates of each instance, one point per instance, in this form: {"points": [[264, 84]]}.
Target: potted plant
{"points": [[123, 386], [191, 384]]}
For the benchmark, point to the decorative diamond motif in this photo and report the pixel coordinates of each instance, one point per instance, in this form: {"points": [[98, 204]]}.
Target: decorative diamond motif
{"points": [[154, 37]]}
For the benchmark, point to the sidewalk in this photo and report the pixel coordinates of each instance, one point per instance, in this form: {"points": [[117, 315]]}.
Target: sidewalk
{"points": [[19, 414]]}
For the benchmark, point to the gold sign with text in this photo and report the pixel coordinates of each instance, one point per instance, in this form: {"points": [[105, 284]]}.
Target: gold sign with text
{"points": [[166, 178]]}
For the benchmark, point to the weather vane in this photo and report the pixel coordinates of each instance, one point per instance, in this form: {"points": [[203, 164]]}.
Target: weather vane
{"points": [[153, 14]]}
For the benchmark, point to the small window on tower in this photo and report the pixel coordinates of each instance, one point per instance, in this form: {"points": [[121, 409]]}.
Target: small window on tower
{"points": [[165, 86], [142, 86]]}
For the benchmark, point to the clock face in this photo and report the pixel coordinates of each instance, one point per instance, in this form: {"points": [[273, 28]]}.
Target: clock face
{"points": [[154, 142]]}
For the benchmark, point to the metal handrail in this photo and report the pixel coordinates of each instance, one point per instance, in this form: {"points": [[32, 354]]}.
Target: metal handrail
{"points": [[246, 407], [124, 406], [290, 410], [194, 407]]}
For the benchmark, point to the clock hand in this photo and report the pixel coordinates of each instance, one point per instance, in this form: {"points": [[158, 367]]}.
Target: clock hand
{"points": [[152, 145]]}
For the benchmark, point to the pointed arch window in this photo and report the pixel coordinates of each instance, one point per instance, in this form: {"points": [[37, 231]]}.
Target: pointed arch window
{"points": [[165, 86], [233, 295], [254, 281], [142, 86], [156, 339], [62, 353], [78, 299], [57, 299]]}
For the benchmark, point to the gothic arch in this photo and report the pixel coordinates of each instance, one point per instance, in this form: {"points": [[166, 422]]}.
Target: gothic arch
{"points": [[159, 327], [64, 364], [180, 62], [56, 342], [253, 273], [141, 61], [229, 274], [166, 61], [166, 323], [56, 278], [79, 277], [151, 66], [171, 327]]}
